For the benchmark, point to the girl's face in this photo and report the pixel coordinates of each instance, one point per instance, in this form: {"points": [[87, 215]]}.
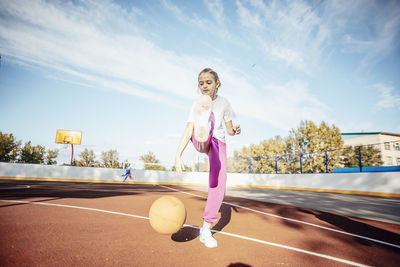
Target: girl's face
{"points": [[208, 85]]}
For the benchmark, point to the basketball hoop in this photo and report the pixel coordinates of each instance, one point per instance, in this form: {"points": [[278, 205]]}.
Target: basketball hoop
{"points": [[67, 137]]}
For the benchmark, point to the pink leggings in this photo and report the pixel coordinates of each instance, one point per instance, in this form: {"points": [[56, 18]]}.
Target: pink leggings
{"points": [[216, 151]]}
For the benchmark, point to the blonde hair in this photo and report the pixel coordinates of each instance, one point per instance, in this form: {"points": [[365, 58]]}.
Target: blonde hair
{"points": [[209, 70]]}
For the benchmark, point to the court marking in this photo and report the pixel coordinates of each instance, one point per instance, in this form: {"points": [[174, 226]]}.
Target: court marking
{"points": [[16, 187], [195, 227], [292, 220]]}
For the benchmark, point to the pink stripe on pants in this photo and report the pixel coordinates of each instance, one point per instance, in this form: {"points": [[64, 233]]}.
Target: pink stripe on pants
{"points": [[216, 151]]}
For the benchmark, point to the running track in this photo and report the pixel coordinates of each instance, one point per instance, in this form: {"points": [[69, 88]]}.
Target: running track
{"points": [[87, 224]]}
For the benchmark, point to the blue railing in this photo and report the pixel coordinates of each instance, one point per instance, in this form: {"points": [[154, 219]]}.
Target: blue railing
{"points": [[355, 163]]}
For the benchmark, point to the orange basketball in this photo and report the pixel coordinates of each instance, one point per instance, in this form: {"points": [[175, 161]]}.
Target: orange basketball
{"points": [[167, 215]]}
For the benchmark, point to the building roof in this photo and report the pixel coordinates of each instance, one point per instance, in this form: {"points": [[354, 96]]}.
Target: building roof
{"points": [[360, 134]]}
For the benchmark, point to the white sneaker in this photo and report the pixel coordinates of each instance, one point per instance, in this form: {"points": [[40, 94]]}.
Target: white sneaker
{"points": [[207, 239], [202, 118]]}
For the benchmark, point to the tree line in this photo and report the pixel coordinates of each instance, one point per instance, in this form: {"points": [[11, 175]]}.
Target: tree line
{"points": [[317, 147], [12, 151]]}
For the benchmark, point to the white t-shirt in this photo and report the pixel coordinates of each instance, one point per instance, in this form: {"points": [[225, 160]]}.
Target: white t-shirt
{"points": [[223, 112]]}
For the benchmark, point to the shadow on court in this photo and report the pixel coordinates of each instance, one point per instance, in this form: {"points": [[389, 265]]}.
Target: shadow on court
{"points": [[238, 264], [368, 207], [359, 228], [11, 189], [343, 223]]}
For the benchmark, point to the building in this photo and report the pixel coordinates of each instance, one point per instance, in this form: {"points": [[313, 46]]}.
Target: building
{"points": [[387, 143]]}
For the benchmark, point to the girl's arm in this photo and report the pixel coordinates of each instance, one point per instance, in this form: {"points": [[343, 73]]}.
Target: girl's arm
{"points": [[187, 134], [232, 130]]}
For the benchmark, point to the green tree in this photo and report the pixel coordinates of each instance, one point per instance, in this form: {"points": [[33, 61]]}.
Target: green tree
{"points": [[9, 147], [32, 154], [262, 160], [237, 165], [125, 164], [151, 162], [308, 141], [110, 159], [311, 141], [87, 159], [51, 155], [370, 156]]}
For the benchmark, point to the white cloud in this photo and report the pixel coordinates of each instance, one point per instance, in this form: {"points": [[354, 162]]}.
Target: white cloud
{"points": [[247, 18], [388, 96], [216, 8], [289, 56], [192, 19], [300, 33], [216, 27], [288, 32], [77, 40], [373, 33]]}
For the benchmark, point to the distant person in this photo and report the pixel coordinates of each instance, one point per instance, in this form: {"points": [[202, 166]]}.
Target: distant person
{"points": [[127, 174], [205, 128]]}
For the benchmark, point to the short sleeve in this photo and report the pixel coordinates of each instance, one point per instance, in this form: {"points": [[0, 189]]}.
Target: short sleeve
{"points": [[229, 114]]}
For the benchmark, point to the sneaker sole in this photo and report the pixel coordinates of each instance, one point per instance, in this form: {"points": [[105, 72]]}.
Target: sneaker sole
{"points": [[205, 244]]}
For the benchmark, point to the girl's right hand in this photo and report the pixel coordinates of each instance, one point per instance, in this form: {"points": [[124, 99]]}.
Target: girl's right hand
{"points": [[179, 166]]}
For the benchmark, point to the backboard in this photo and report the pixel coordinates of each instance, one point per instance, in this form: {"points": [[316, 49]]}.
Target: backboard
{"points": [[68, 137]]}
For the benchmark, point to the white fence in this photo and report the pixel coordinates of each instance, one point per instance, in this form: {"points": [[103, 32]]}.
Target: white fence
{"points": [[378, 184]]}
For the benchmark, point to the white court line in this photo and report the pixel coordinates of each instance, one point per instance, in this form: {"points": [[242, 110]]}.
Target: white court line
{"points": [[74, 207], [293, 220], [220, 232], [16, 187]]}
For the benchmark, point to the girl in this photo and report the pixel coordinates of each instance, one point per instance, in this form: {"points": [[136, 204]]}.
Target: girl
{"points": [[206, 131]]}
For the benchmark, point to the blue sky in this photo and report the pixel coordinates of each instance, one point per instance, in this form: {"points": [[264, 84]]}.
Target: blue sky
{"points": [[125, 72]]}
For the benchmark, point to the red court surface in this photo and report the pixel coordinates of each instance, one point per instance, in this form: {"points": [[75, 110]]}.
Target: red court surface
{"points": [[87, 224]]}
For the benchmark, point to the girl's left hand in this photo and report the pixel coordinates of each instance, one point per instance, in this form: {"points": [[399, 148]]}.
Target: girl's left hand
{"points": [[179, 166], [236, 129]]}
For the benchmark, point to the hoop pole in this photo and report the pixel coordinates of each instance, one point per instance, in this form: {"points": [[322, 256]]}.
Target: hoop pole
{"points": [[72, 154]]}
